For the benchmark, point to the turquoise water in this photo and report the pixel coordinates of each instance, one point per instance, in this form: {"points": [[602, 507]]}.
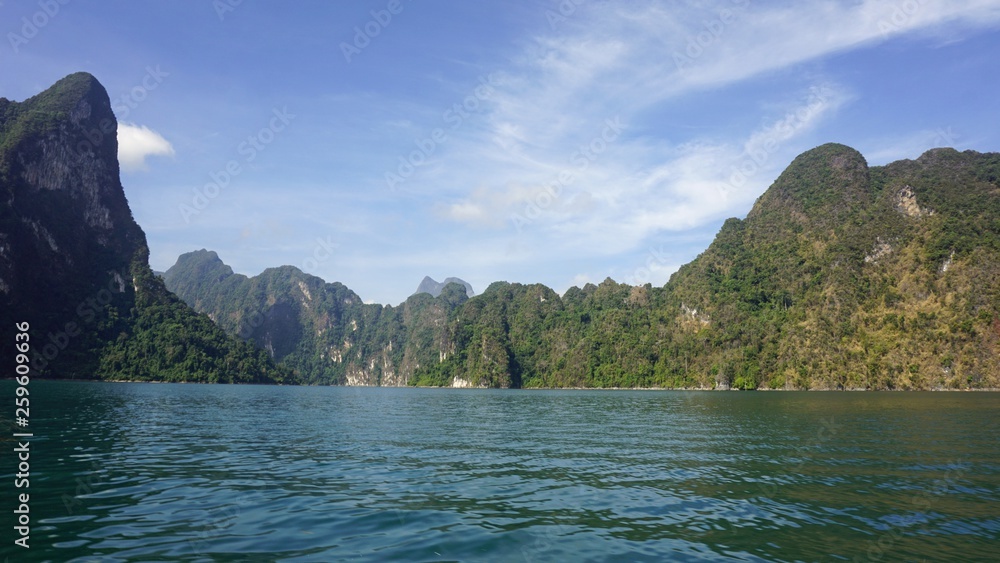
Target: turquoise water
{"points": [[162, 472]]}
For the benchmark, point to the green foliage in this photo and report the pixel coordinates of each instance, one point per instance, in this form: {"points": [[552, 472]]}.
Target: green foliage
{"points": [[170, 342], [75, 263], [826, 284]]}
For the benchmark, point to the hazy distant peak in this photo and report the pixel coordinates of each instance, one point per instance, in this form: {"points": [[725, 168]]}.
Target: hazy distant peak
{"points": [[429, 285]]}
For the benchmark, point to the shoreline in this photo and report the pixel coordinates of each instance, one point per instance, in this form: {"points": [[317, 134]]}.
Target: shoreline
{"points": [[817, 390]]}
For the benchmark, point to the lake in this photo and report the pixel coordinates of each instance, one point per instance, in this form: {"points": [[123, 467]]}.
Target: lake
{"points": [[167, 472]]}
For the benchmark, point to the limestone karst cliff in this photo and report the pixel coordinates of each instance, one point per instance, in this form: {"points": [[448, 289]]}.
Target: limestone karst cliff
{"points": [[74, 263]]}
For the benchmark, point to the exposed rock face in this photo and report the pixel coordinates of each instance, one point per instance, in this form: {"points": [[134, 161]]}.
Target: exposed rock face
{"points": [[460, 383], [906, 203], [73, 261], [68, 233], [322, 330], [881, 250]]}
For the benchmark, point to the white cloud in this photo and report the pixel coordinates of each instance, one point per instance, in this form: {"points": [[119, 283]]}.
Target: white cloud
{"points": [[612, 61], [636, 188], [136, 142]]}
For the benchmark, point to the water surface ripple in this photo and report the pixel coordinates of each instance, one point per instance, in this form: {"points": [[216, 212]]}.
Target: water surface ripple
{"points": [[148, 472]]}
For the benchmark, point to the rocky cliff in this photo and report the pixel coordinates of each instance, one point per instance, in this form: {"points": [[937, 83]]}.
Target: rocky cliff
{"points": [[321, 330], [74, 263]]}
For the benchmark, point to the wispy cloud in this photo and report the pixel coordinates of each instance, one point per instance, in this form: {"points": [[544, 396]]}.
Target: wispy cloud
{"points": [[136, 142], [508, 166], [622, 62]]}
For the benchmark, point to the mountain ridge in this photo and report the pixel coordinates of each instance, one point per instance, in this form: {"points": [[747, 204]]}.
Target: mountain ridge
{"points": [[842, 276]]}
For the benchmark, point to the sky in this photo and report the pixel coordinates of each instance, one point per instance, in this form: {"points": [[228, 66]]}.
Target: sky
{"points": [[555, 141]]}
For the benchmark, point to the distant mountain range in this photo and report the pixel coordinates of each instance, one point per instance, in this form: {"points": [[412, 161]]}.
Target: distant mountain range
{"points": [[842, 276], [428, 285]]}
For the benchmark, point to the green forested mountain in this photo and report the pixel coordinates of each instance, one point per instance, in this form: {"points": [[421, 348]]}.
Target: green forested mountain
{"points": [[321, 330], [74, 264], [842, 276]]}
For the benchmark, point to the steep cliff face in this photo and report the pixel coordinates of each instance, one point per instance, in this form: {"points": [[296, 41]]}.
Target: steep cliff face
{"points": [[73, 261], [66, 225], [321, 330]]}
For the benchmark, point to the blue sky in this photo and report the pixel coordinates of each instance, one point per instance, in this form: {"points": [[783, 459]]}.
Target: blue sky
{"points": [[374, 143]]}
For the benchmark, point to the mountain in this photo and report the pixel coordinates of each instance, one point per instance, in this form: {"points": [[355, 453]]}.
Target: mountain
{"points": [[321, 330], [428, 285], [849, 276], [842, 276], [74, 263]]}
